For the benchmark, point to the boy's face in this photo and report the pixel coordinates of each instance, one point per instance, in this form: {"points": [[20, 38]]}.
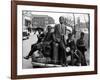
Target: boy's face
{"points": [[49, 29], [40, 31], [82, 36], [61, 20], [69, 36]]}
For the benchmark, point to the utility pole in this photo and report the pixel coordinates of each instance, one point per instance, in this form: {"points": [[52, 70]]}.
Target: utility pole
{"points": [[74, 30]]}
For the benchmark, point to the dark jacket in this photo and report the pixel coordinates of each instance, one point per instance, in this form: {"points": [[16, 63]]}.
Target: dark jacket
{"points": [[71, 44], [81, 45]]}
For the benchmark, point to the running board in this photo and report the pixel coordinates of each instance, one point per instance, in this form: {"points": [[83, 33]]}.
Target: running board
{"points": [[44, 64]]}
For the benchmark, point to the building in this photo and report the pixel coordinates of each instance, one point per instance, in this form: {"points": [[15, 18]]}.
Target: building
{"points": [[31, 21]]}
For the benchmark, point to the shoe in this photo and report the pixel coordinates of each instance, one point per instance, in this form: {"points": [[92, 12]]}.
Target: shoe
{"points": [[27, 57], [63, 65], [66, 65]]}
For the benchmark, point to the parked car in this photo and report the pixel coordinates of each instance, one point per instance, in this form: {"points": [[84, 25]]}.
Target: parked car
{"points": [[25, 34]]}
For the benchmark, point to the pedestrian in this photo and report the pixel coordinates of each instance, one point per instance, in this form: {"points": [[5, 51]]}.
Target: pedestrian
{"points": [[36, 46], [70, 48], [82, 48], [42, 45], [59, 42], [47, 43]]}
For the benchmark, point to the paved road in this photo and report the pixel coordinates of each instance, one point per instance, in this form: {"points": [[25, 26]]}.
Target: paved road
{"points": [[26, 64]]}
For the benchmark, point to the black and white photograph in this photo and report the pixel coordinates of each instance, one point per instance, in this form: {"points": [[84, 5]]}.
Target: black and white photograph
{"points": [[55, 39]]}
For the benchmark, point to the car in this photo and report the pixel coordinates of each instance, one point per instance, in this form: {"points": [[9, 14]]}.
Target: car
{"points": [[25, 34]]}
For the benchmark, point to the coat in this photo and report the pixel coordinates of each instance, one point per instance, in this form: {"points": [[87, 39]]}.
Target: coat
{"points": [[59, 32]]}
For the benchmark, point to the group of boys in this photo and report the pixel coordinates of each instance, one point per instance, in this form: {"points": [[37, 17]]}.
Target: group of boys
{"points": [[55, 46]]}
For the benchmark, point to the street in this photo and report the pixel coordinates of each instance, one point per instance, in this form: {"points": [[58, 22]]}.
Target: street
{"points": [[26, 46]]}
